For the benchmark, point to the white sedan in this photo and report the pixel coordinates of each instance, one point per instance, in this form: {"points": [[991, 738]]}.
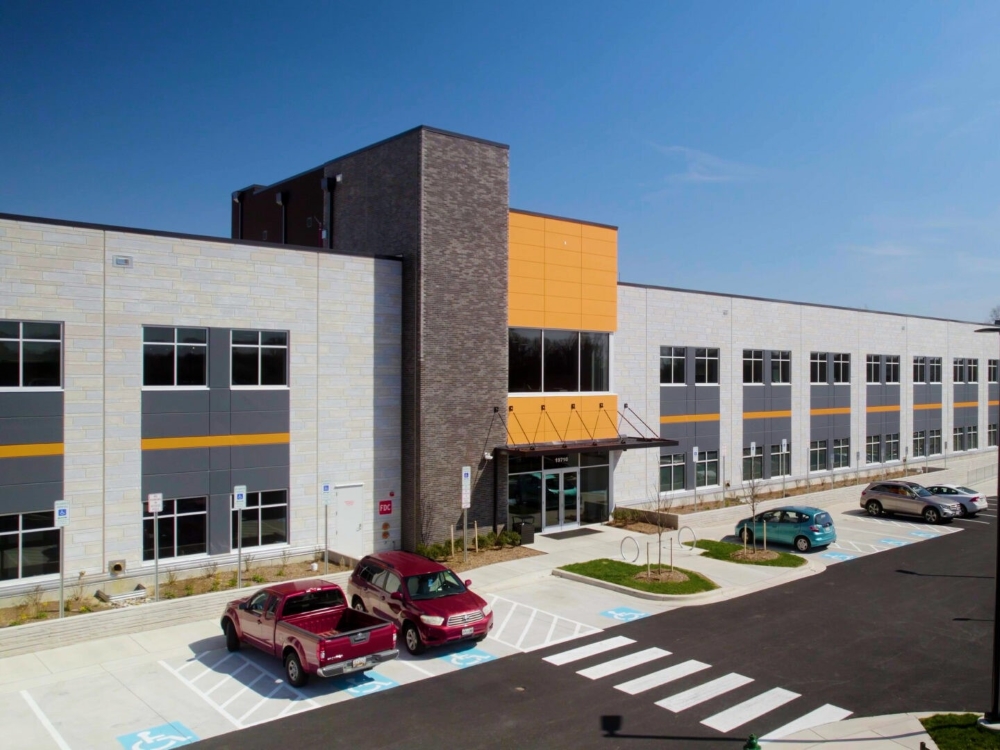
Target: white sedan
{"points": [[970, 501]]}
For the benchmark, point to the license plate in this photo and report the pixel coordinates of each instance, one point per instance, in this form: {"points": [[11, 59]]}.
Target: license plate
{"points": [[359, 662], [468, 631]]}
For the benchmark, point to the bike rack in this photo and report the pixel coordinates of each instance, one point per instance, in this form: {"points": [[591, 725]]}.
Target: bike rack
{"points": [[694, 538], [621, 549]]}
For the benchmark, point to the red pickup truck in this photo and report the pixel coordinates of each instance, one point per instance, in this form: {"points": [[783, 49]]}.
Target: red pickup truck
{"points": [[308, 625]]}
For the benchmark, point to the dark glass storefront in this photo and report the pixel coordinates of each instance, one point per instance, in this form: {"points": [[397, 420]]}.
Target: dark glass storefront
{"points": [[559, 491]]}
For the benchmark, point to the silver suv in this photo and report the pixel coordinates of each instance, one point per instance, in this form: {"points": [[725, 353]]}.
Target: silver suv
{"points": [[886, 498]]}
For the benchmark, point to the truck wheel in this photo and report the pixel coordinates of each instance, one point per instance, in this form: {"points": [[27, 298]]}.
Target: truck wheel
{"points": [[411, 637], [297, 676], [232, 639]]}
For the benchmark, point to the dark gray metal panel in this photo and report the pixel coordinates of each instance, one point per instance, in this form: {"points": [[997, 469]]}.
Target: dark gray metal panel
{"points": [[781, 398], [221, 482], [874, 395], [819, 397], [178, 461], [174, 402], [219, 423], [26, 403], [965, 417], [220, 458], [188, 484], [891, 395], [28, 498], [219, 399], [708, 401], [841, 396], [707, 433], [29, 430], [266, 478], [674, 400], [218, 358], [31, 470], [841, 425], [967, 392], [754, 398], [258, 456], [255, 400], [175, 425], [219, 520], [256, 422]]}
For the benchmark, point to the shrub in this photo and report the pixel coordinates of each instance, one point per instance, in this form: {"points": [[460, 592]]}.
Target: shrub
{"points": [[508, 538], [257, 578], [625, 516], [188, 589]]}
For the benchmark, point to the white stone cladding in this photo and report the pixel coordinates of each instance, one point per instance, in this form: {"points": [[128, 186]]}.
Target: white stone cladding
{"points": [[651, 317], [343, 318]]}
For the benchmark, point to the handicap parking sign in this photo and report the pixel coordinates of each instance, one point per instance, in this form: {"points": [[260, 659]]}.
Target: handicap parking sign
{"points": [[893, 542], [841, 556], [162, 737], [624, 614], [468, 658], [368, 683], [923, 534]]}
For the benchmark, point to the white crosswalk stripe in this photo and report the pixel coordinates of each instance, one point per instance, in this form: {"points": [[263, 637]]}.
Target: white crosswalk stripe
{"points": [[826, 714], [623, 663], [748, 710], [575, 654], [704, 692], [662, 677]]}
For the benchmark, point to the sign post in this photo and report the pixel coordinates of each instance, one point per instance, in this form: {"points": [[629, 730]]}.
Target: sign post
{"points": [[155, 506], [325, 492], [62, 521], [240, 504], [784, 468], [694, 457], [466, 504]]}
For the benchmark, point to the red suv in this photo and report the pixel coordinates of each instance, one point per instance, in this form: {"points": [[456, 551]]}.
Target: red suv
{"points": [[429, 604]]}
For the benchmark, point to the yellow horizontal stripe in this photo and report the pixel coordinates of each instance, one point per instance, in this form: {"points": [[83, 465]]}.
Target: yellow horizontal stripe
{"points": [[214, 441], [31, 449], [766, 414], [994, 403], [834, 410], [965, 404], [681, 418], [920, 407], [876, 409]]}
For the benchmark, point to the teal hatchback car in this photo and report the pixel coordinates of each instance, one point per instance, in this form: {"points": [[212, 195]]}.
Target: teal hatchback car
{"points": [[798, 525]]}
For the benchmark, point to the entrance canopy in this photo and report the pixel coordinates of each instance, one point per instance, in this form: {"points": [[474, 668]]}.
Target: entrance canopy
{"points": [[623, 443]]}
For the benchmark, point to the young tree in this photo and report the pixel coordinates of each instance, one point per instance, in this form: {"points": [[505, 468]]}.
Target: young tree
{"points": [[659, 504], [751, 496]]}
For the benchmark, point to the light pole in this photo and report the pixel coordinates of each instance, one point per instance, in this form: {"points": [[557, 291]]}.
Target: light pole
{"points": [[993, 715]]}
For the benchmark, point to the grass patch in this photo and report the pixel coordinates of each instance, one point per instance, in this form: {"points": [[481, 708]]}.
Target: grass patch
{"points": [[622, 573], [960, 732], [725, 550]]}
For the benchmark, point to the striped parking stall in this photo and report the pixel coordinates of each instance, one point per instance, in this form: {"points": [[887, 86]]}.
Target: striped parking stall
{"points": [[528, 628]]}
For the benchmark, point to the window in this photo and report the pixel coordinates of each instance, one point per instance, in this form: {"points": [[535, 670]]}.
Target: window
{"points": [[671, 365], [265, 519], [781, 368], [557, 361], [841, 453], [706, 366], [958, 370], [991, 435], [30, 354], [29, 545], [817, 455], [817, 367], [183, 528], [892, 368], [753, 366], [174, 356], [991, 369], [872, 374], [672, 472], [260, 358], [873, 449], [972, 371], [781, 464], [706, 469], [971, 438], [958, 439], [933, 442], [933, 369], [920, 369], [919, 443], [892, 446], [753, 465], [841, 368]]}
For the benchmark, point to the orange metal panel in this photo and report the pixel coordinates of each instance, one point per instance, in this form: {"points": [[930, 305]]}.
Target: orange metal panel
{"points": [[25, 450], [562, 241], [564, 321], [525, 319], [562, 257], [526, 301], [564, 289], [600, 323], [521, 251], [558, 226], [562, 305], [599, 277], [526, 236], [599, 233], [524, 285], [563, 273], [595, 293], [596, 247], [600, 262], [878, 409], [527, 221], [528, 269]]}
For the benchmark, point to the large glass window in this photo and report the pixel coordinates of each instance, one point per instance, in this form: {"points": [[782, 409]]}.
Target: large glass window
{"points": [[30, 354], [183, 528], [594, 484], [991, 435], [971, 437], [920, 369], [595, 359], [958, 370], [841, 368], [841, 453], [872, 367], [892, 446], [781, 464], [781, 368], [817, 367], [817, 455], [972, 371], [933, 369], [753, 366], [29, 545], [991, 370], [265, 519], [558, 361], [873, 449], [524, 496], [174, 356], [919, 443], [958, 439], [706, 469], [892, 368], [260, 358], [672, 472], [562, 361], [672, 365], [933, 442], [524, 354], [753, 463], [706, 366]]}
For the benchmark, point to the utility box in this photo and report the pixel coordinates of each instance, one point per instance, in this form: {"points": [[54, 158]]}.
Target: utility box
{"points": [[527, 531]]}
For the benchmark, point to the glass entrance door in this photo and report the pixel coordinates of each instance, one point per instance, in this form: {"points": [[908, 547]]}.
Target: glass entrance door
{"points": [[561, 500]]}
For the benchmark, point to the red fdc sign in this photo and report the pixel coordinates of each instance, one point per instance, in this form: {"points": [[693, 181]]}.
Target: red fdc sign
{"points": [[384, 507]]}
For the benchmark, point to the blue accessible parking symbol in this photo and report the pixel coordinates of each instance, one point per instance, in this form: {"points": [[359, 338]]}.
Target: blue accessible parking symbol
{"points": [[923, 534], [841, 556], [367, 683], [467, 658], [893, 542], [162, 737], [624, 614]]}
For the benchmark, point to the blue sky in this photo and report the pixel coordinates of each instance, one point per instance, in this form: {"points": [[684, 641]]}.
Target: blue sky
{"points": [[844, 153]]}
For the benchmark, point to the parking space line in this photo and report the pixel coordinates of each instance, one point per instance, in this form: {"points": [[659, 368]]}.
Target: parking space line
{"points": [[245, 688], [535, 620], [409, 663], [228, 677], [527, 628], [212, 703], [262, 701], [45, 721], [505, 621]]}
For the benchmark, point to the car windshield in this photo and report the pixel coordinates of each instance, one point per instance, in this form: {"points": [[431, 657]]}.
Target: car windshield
{"points": [[434, 585], [920, 491], [823, 519]]}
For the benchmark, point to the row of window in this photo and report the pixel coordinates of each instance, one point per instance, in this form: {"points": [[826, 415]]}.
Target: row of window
{"points": [[880, 368], [544, 361]]}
